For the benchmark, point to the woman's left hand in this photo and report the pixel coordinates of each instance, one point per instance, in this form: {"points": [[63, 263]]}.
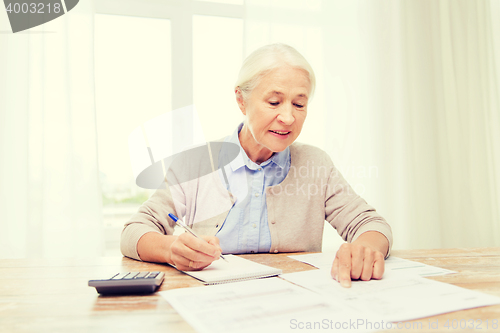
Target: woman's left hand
{"points": [[360, 260]]}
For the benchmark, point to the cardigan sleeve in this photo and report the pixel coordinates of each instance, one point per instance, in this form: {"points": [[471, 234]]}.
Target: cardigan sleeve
{"points": [[152, 216], [350, 214]]}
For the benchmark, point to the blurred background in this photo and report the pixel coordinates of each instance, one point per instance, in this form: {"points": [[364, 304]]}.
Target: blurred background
{"points": [[407, 105]]}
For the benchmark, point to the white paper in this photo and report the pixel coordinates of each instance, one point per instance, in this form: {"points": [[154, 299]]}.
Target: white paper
{"points": [[319, 260], [265, 305], [233, 269], [397, 297], [413, 267], [325, 260]]}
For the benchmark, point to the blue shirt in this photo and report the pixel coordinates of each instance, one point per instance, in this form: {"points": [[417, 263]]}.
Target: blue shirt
{"points": [[246, 229]]}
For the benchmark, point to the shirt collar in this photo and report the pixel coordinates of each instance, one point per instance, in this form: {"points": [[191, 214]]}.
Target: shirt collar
{"points": [[280, 158]]}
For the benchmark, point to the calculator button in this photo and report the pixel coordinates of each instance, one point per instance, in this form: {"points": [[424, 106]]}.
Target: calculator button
{"points": [[131, 276], [120, 276], [141, 275], [153, 275]]}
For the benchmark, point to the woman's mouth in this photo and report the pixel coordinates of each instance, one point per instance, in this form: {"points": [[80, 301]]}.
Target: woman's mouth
{"points": [[280, 132]]}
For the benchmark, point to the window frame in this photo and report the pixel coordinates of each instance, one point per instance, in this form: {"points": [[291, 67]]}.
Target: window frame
{"points": [[180, 13]]}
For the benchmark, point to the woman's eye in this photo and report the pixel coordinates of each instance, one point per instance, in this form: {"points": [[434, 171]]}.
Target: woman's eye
{"points": [[299, 105], [274, 103]]}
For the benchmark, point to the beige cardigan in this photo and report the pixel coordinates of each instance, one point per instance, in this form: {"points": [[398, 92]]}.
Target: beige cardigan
{"points": [[312, 192]]}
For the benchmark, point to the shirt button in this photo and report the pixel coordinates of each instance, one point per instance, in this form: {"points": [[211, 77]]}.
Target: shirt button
{"points": [[260, 169], [257, 194], [254, 225], [276, 251], [273, 222]]}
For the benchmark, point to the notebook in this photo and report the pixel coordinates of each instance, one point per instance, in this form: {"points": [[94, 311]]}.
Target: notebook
{"points": [[235, 269]]}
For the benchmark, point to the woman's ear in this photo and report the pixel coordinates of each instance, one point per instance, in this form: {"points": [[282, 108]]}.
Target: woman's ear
{"points": [[240, 100]]}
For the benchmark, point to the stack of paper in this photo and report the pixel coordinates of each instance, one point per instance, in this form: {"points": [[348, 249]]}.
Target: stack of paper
{"points": [[325, 260], [312, 300], [397, 297], [265, 305]]}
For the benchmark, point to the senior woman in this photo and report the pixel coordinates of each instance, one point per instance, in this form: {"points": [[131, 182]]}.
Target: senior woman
{"points": [[280, 192]]}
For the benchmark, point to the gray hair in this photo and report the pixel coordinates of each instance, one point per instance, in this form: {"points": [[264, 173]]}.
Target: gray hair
{"points": [[265, 59]]}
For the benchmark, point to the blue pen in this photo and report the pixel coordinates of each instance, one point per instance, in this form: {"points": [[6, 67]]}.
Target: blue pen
{"points": [[188, 229]]}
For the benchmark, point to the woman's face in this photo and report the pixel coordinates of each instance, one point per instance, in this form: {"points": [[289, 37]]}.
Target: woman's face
{"points": [[275, 112]]}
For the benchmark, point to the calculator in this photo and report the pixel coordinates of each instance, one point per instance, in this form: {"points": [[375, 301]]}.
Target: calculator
{"points": [[129, 283]]}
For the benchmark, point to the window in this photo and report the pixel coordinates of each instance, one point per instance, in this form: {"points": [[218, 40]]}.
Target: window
{"points": [[216, 62], [151, 58], [132, 85]]}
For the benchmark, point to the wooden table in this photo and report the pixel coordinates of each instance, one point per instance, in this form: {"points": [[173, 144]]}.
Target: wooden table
{"points": [[53, 296]]}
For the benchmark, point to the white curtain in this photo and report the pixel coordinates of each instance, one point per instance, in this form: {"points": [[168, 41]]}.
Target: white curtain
{"points": [[407, 106], [50, 201]]}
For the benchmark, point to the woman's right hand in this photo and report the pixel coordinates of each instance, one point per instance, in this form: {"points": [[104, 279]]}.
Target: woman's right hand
{"points": [[189, 253]]}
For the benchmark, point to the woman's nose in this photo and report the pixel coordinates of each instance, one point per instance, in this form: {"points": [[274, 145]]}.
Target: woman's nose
{"points": [[286, 115]]}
